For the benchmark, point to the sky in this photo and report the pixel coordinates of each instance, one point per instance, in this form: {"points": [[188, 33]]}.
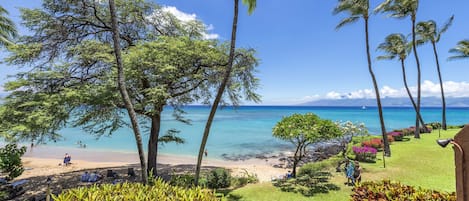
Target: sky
{"points": [[302, 55]]}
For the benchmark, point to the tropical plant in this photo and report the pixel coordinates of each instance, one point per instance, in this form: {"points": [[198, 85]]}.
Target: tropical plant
{"points": [[303, 130], [251, 6], [218, 178], [429, 32], [10, 160], [159, 190], [123, 90], [397, 47], [461, 51], [365, 154], [389, 190], [7, 28], [360, 9], [351, 130], [403, 9]]}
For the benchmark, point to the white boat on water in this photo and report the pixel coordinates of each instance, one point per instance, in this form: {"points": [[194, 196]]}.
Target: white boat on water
{"points": [[363, 107]]}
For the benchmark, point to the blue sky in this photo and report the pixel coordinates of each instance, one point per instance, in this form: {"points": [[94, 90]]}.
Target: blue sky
{"points": [[304, 58]]}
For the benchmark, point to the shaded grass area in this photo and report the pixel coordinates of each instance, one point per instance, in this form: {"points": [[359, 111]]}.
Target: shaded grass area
{"points": [[416, 162]]}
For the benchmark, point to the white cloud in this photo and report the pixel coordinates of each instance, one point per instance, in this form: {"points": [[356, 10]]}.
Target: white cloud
{"points": [[186, 17], [428, 89]]}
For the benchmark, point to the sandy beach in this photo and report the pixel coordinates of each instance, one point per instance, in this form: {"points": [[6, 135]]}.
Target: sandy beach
{"points": [[45, 160]]}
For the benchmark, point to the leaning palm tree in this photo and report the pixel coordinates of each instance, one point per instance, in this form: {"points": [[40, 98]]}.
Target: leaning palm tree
{"points": [[123, 90], [7, 28], [397, 47], [428, 32], [461, 51], [403, 9], [360, 9], [251, 6]]}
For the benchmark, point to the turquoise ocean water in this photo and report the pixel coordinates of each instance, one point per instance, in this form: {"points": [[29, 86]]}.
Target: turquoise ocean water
{"points": [[248, 129]]}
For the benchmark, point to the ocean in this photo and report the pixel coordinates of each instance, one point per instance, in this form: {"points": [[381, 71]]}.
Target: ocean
{"points": [[247, 130]]}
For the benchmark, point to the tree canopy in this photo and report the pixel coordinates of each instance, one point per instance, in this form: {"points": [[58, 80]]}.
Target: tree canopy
{"points": [[304, 129]]}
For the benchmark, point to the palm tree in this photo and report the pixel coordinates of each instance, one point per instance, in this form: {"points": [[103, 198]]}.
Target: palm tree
{"points": [[397, 46], [428, 32], [123, 90], [360, 9], [402, 9], [7, 28], [461, 50], [251, 6]]}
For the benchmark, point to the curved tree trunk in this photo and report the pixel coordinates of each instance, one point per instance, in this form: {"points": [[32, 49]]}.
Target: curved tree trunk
{"points": [[408, 91], [387, 149], [414, 47], [220, 91], [153, 141], [123, 91], [443, 101]]}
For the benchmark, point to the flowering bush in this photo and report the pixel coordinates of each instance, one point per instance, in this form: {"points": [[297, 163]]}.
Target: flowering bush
{"points": [[374, 143], [397, 136], [365, 154]]}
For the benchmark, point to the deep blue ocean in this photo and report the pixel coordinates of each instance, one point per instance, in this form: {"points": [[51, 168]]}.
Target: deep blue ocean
{"points": [[248, 129]]}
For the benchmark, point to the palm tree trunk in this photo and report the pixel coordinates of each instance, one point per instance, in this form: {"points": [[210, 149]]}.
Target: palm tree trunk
{"points": [[220, 91], [419, 92], [123, 91], [443, 122], [153, 141], [387, 148], [408, 92]]}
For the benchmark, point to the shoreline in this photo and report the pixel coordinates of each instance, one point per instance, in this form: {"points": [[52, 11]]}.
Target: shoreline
{"points": [[45, 160]]}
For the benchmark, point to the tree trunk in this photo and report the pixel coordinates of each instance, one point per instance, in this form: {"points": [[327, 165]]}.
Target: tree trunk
{"points": [[123, 91], [443, 101], [414, 47], [409, 93], [153, 141], [296, 158], [387, 149], [219, 92]]}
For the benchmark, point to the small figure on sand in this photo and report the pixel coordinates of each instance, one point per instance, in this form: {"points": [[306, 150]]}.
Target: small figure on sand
{"points": [[67, 159]]}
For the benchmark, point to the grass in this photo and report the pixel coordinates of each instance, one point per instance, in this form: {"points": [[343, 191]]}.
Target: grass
{"points": [[416, 162]]}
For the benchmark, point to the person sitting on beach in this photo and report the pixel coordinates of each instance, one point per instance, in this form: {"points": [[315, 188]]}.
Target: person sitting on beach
{"points": [[289, 174], [94, 177], [85, 177], [67, 159]]}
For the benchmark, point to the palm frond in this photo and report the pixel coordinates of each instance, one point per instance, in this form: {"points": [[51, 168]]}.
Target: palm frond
{"points": [[444, 28], [346, 21], [251, 4], [386, 57]]}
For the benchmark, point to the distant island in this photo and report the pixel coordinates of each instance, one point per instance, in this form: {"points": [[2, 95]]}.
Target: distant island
{"points": [[390, 102]]}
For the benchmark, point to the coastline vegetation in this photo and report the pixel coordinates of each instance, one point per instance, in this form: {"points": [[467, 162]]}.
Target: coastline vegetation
{"points": [[77, 75]]}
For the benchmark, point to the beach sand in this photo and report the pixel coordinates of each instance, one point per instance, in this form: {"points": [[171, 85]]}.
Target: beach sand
{"points": [[42, 162]]}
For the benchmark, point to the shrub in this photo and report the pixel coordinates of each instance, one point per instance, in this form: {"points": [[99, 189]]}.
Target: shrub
{"points": [[218, 178], [387, 190], [182, 180], [434, 125], [397, 136], [365, 154], [407, 132], [10, 160], [246, 178], [160, 190], [374, 142]]}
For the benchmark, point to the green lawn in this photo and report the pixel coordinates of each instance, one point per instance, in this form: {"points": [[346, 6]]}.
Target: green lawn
{"points": [[416, 162]]}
